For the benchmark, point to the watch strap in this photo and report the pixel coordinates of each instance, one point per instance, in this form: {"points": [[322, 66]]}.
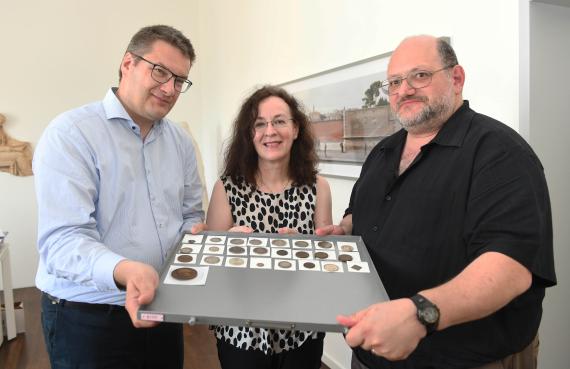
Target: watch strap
{"points": [[425, 306]]}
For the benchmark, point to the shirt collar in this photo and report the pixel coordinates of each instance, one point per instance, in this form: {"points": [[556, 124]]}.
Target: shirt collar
{"points": [[451, 134], [113, 106], [454, 130], [114, 109]]}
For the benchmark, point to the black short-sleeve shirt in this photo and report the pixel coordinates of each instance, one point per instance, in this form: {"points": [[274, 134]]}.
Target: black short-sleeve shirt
{"points": [[476, 187]]}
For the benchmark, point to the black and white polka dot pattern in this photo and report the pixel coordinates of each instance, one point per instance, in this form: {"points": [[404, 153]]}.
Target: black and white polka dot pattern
{"points": [[266, 213]]}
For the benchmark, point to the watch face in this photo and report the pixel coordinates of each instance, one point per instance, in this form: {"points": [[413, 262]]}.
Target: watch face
{"points": [[430, 314]]}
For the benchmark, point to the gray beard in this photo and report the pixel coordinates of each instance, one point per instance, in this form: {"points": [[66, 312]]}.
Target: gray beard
{"points": [[430, 119]]}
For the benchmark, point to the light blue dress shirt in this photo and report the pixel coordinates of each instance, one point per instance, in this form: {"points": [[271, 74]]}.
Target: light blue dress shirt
{"points": [[104, 195]]}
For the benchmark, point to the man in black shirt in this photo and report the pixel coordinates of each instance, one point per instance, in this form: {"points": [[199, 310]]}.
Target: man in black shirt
{"points": [[454, 210]]}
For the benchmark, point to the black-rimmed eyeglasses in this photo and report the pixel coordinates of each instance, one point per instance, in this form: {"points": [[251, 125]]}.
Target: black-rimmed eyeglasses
{"points": [[417, 78], [162, 75]]}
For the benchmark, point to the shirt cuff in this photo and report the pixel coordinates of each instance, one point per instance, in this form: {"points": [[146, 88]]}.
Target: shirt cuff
{"points": [[103, 271]]}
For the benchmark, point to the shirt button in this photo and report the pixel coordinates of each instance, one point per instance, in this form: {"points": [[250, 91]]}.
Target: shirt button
{"points": [[375, 229], [388, 197]]}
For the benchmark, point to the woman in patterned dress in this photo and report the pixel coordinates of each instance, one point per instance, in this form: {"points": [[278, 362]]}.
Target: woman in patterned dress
{"points": [[270, 184]]}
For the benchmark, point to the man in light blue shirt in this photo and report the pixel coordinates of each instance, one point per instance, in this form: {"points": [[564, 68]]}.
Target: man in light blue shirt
{"points": [[116, 184]]}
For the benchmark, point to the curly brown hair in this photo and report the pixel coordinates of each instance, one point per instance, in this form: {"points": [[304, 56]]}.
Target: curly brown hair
{"points": [[241, 159]]}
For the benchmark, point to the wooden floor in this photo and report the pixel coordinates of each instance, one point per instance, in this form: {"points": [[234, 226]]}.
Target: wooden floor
{"points": [[27, 350]]}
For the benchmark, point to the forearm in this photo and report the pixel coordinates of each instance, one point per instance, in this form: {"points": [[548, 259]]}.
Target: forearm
{"points": [[346, 224], [78, 257], [487, 284]]}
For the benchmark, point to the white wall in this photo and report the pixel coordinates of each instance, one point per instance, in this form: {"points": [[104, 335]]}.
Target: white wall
{"points": [[57, 55], [549, 133]]}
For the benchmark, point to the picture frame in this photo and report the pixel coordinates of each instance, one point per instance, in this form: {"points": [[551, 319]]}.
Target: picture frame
{"points": [[348, 111]]}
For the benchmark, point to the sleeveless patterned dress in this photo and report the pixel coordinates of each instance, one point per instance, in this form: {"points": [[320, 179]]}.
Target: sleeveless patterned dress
{"points": [[266, 213]]}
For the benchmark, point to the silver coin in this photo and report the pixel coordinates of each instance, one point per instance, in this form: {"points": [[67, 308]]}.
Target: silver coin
{"points": [[284, 264], [236, 261], [212, 259]]}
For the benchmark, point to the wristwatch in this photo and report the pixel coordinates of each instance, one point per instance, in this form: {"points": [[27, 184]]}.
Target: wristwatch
{"points": [[428, 313]]}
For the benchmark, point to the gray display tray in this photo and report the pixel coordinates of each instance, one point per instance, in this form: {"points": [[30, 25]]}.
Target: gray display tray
{"points": [[298, 300]]}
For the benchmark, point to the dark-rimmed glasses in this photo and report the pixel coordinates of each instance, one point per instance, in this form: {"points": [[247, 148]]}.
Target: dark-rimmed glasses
{"points": [[162, 75], [277, 123], [417, 78]]}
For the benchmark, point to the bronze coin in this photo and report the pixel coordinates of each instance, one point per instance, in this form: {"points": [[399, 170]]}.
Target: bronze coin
{"points": [[260, 250], [321, 255], [184, 274], [284, 264], [215, 239], [302, 254], [309, 265], [212, 259], [301, 243], [330, 267], [344, 258], [185, 258], [324, 244], [213, 249], [191, 241], [255, 242], [279, 242], [237, 241], [282, 252], [260, 265], [237, 250], [236, 261], [185, 250], [356, 267], [346, 248]]}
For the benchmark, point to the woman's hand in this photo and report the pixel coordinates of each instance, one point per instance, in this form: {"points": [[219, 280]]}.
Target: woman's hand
{"points": [[241, 229], [286, 230], [199, 227]]}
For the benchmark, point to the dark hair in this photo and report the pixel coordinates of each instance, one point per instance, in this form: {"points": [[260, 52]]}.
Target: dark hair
{"points": [[143, 40], [241, 159], [446, 53]]}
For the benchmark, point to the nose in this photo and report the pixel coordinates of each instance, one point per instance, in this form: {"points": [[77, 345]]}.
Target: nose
{"points": [[270, 129], [405, 88], [168, 87]]}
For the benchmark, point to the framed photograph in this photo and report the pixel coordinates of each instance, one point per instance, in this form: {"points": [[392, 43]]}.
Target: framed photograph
{"points": [[349, 113]]}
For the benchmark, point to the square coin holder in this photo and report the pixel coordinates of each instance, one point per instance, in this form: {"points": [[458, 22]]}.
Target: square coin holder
{"points": [[192, 238], [214, 249], [185, 259], [257, 241], [260, 263]]}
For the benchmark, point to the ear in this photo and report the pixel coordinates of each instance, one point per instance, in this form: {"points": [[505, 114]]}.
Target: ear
{"points": [[127, 63], [458, 77], [295, 132]]}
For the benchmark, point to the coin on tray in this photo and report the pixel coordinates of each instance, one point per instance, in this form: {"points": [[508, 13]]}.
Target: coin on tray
{"points": [[185, 258], [330, 267], [184, 274]]}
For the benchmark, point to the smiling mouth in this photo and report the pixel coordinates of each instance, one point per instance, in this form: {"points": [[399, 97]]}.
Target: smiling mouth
{"points": [[271, 144], [162, 100]]}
